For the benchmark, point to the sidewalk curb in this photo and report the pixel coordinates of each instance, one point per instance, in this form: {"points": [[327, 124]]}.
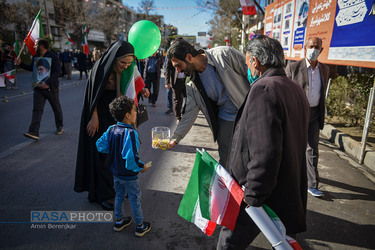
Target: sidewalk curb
{"points": [[350, 146]]}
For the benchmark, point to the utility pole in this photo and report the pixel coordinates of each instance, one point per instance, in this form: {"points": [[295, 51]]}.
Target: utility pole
{"points": [[47, 16]]}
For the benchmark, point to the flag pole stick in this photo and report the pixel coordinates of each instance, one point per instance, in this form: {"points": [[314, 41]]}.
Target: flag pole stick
{"points": [[19, 54]]}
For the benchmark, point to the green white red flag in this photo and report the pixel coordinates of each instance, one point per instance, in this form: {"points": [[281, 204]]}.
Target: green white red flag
{"points": [[69, 38], [10, 75], [85, 46], [35, 32], [211, 197], [131, 82], [15, 47]]}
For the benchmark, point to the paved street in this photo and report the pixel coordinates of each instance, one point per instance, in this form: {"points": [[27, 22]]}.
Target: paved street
{"points": [[39, 176]]}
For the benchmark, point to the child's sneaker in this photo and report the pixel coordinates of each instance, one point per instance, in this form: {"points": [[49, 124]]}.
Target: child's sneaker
{"points": [[121, 224], [145, 228]]}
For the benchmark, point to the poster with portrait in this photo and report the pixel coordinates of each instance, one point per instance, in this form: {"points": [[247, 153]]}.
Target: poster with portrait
{"points": [[287, 27], [41, 70], [346, 28]]}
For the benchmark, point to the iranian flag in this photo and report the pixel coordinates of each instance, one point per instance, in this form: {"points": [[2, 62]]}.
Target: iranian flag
{"points": [[85, 46], [35, 32], [10, 75], [131, 82], [211, 197], [69, 38], [15, 47], [248, 7]]}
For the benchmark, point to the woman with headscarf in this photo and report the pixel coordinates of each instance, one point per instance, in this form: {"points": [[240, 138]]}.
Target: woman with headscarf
{"points": [[114, 74]]}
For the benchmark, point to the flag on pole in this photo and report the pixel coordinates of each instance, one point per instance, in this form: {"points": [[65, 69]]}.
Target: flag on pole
{"points": [[85, 46], [69, 38], [211, 197], [35, 32], [15, 47], [10, 75], [131, 82], [248, 7]]}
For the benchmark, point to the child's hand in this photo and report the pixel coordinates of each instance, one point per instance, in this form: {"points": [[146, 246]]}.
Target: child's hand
{"points": [[146, 166]]}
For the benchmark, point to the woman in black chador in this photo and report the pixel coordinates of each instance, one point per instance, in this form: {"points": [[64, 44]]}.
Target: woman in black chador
{"points": [[113, 75]]}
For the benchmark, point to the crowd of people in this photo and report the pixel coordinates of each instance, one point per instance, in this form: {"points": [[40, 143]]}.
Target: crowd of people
{"points": [[265, 117]]}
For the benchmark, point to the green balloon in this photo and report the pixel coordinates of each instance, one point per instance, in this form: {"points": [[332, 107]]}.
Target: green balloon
{"points": [[145, 37]]}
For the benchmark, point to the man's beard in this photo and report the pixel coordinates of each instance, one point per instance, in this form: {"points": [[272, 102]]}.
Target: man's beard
{"points": [[42, 76], [189, 69]]}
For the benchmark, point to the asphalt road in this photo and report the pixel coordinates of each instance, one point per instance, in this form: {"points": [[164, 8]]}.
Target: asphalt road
{"points": [[39, 176]]}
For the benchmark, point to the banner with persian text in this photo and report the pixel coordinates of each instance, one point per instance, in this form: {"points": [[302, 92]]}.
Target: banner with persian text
{"points": [[346, 27]]}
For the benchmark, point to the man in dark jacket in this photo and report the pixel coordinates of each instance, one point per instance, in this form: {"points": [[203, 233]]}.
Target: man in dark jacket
{"points": [[151, 74], [268, 148], [48, 89]]}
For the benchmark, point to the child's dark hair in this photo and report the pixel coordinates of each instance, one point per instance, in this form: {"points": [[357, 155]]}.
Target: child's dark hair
{"points": [[120, 106]]}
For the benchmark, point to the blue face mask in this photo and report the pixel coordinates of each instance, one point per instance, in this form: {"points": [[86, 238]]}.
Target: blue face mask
{"points": [[250, 77]]}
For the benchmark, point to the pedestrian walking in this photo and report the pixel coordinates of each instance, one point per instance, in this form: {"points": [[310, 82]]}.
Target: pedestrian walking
{"points": [[46, 90], [312, 75], [151, 74], [66, 59], [82, 63], [175, 84]]}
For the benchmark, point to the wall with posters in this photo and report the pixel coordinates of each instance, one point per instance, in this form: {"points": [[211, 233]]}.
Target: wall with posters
{"points": [[346, 27]]}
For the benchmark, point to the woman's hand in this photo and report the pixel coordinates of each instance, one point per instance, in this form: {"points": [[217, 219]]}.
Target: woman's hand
{"points": [[146, 93], [93, 125]]}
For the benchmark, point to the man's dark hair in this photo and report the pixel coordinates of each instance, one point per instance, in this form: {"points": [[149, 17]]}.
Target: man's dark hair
{"points": [[267, 50], [180, 48], [43, 62], [44, 42], [120, 106]]}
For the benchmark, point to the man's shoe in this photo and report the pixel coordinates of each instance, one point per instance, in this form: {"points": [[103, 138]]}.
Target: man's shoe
{"points": [[106, 205], [315, 192], [121, 224], [59, 131], [169, 111], [142, 230], [154, 105], [31, 135]]}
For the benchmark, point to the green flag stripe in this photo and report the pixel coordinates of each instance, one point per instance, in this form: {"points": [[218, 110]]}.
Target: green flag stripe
{"points": [[207, 174], [187, 205], [126, 76], [41, 33], [270, 212]]}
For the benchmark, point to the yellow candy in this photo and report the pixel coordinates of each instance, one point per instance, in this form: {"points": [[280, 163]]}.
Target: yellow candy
{"points": [[163, 144]]}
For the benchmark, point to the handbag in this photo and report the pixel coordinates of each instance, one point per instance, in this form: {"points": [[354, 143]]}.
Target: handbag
{"points": [[142, 115]]}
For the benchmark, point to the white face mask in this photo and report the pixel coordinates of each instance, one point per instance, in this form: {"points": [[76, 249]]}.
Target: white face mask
{"points": [[312, 54]]}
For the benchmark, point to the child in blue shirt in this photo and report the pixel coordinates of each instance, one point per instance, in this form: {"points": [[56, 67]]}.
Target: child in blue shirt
{"points": [[121, 142]]}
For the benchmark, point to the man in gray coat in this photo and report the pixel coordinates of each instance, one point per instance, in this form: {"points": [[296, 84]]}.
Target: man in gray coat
{"points": [[267, 156], [217, 87]]}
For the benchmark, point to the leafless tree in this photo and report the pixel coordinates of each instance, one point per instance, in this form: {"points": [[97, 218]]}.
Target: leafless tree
{"points": [[147, 6]]}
